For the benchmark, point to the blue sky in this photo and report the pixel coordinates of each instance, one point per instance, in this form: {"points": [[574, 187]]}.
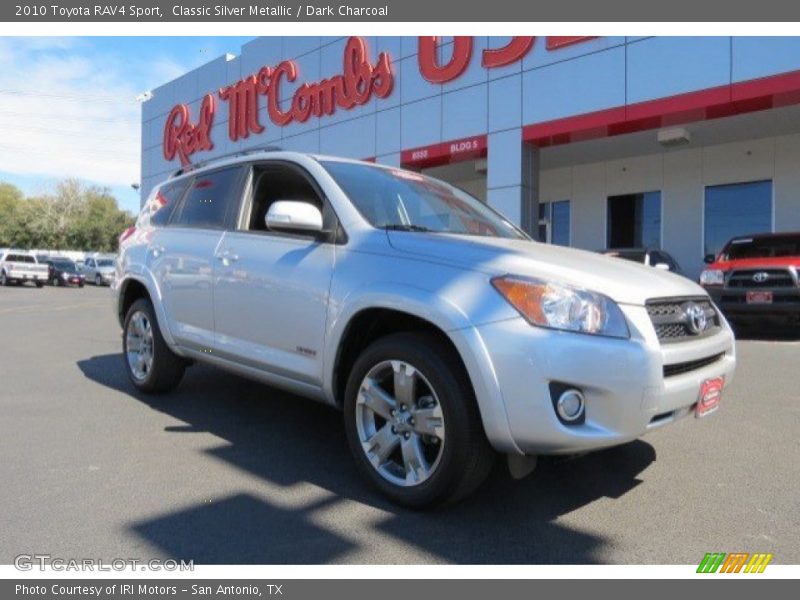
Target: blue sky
{"points": [[68, 105]]}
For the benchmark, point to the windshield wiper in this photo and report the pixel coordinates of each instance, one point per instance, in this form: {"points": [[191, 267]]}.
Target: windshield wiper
{"points": [[406, 227]]}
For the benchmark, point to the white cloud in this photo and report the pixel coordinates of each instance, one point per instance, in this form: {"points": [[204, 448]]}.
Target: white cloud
{"points": [[67, 111]]}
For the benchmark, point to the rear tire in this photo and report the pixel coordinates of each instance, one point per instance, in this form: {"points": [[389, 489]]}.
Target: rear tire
{"points": [[150, 364], [40, 284], [454, 461]]}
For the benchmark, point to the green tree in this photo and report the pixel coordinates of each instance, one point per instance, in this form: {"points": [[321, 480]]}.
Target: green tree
{"points": [[11, 200], [74, 217]]}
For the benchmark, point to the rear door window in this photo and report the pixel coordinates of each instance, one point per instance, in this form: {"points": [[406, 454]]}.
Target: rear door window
{"points": [[161, 206], [211, 198]]}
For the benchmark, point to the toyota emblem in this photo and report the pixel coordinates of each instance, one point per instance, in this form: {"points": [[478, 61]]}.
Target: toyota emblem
{"points": [[695, 315], [761, 277]]}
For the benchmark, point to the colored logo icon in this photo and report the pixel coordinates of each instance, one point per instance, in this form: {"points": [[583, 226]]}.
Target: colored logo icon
{"points": [[736, 562]]}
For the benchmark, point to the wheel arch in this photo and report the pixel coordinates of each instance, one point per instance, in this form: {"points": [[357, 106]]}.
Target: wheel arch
{"points": [[133, 287]]}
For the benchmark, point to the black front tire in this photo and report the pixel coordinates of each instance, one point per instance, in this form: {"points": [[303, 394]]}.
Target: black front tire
{"points": [[167, 367], [467, 457], [40, 284]]}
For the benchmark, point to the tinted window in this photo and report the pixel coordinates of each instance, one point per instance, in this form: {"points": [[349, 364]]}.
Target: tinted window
{"points": [[161, 206], [64, 265], [736, 210], [106, 262], [22, 258], [207, 202], [395, 198], [634, 220]]}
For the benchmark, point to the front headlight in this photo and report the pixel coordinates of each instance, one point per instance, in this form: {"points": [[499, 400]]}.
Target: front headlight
{"points": [[64, 276], [559, 306], [712, 277]]}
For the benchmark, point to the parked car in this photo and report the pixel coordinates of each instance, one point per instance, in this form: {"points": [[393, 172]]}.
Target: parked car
{"points": [[660, 259], [19, 266], [443, 333], [755, 279], [62, 271], [98, 270]]}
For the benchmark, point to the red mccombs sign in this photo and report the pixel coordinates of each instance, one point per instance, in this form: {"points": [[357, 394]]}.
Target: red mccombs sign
{"points": [[358, 82]]}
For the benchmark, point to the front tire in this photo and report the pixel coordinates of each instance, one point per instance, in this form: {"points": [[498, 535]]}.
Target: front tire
{"points": [[151, 366], [98, 281], [412, 421], [4, 281]]}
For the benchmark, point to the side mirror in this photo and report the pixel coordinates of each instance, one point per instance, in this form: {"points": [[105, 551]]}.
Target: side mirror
{"points": [[662, 266], [291, 215], [709, 258]]}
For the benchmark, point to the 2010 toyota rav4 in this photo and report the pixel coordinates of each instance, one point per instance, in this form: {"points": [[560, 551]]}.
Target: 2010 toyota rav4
{"points": [[441, 330]]}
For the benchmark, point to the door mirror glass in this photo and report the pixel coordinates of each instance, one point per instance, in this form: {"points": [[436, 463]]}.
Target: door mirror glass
{"points": [[663, 266], [292, 215], [709, 258]]}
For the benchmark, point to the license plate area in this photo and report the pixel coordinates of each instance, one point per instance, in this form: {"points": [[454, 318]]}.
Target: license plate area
{"points": [[759, 297], [709, 397]]}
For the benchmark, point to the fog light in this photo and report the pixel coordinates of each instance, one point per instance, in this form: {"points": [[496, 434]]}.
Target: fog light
{"points": [[570, 405]]}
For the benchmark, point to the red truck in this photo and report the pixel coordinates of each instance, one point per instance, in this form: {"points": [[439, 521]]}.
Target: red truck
{"points": [[755, 281]]}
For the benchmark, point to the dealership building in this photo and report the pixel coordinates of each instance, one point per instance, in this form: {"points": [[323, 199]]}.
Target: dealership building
{"points": [[675, 143]]}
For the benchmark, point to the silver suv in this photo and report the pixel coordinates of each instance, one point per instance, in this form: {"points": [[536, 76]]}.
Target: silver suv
{"points": [[443, 333]]}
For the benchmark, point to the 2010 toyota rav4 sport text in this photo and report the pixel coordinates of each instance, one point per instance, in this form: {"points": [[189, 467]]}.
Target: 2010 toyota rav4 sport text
{"points": [[443, 333]]}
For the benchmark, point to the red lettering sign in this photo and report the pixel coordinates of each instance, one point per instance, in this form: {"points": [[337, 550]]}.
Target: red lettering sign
{"points": [[182, 137], [354, 87], [429, 65], [515, 50]]}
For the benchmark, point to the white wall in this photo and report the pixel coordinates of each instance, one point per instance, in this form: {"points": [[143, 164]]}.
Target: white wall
{"points": [[681, 176]]}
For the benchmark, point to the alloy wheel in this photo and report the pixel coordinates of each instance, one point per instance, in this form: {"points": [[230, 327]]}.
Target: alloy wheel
{"points": [[399, 422], [139, 345]]}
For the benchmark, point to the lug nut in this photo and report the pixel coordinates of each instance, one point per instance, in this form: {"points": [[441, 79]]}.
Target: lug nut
{"points": [[407, 435]]}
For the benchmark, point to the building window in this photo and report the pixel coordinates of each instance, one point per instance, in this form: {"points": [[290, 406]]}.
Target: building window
{"points": [[554, 218], [736, 209], [634, 221]]}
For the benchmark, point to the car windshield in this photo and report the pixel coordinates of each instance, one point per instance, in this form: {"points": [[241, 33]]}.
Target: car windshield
{"points": [[402, 200], [106, 262], [767, 247], [64, 265]]}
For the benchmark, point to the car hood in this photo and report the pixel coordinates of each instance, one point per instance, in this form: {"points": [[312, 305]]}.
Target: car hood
{"points": [[756, 263], [623, 281]]}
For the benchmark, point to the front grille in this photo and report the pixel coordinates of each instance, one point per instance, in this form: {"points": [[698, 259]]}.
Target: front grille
{"points": [[760, 278], [691, 365], [673, 324]]}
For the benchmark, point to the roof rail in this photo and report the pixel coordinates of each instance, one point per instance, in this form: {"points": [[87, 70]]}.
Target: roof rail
{"points": [[246, 152]]}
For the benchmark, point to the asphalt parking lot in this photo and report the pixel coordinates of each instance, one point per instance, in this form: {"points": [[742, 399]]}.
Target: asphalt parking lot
{"points": [[228, 471]]}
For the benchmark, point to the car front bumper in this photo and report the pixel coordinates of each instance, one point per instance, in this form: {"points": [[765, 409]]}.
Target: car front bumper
{"points": [[627, 393], [784, 308]]}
